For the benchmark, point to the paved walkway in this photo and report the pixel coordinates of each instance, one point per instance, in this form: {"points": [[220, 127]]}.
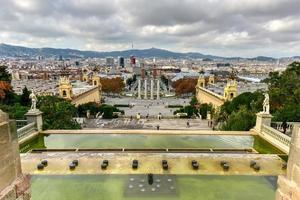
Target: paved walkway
{"points": [[179, 163]]}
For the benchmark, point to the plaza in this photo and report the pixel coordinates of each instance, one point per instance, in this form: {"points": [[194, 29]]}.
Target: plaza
{"points": [[147, 107]]}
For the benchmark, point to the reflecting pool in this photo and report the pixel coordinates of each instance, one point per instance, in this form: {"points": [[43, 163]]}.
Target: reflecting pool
{"points": [[147, 141], [134, 187]]}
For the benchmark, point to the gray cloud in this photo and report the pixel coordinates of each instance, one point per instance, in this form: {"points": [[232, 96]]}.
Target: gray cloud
{"points": [[223, 27]]}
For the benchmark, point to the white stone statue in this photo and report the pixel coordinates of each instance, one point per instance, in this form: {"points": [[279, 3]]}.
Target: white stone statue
{"points": [[266, 104], [33, 98]]}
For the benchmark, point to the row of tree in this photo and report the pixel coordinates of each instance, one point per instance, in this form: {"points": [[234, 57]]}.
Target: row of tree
{"points": [[95, 109], [184, 86], [113, 85]]}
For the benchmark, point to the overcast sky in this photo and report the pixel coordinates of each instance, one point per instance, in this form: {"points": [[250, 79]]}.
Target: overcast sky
{"points": [[220, 27]]}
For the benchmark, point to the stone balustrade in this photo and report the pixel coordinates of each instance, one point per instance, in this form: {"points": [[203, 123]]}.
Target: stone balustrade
{"points": [[27, 130], [279, 126], [276, 138], [21, 123]]}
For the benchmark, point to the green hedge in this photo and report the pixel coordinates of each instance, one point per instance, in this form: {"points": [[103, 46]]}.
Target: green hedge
{"points": [[122, 105], [175, 106]]}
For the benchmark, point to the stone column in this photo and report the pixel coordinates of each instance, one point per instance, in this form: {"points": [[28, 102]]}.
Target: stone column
{"points": [[146, 92], [139, 89], [158, 90], [35, 116], [289, 185], [262, 119], [13, 185], [152, 85]]}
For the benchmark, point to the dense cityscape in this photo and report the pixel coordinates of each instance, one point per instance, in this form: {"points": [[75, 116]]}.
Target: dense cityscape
{"points": [[211, 112]]}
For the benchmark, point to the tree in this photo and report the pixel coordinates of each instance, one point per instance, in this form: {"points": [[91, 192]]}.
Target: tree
{"points": [[190, 109], [57, 113], [204, 109], [15, 111], [289, 113], [284, 91], [25, 100], [194, 101], [184, 86], [94, 108], [114, 85], [7, 95], [232, 114], [251, 101], [241, 120]]}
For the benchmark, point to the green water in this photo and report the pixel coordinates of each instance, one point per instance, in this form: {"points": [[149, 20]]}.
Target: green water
{"points": [[147, 141], [263, 147], [112, 187]]}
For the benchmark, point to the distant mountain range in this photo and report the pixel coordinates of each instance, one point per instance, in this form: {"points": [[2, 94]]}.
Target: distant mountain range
{"points": [[25, 52]]}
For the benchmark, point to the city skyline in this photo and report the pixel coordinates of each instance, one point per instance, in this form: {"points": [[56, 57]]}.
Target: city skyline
{"points": [[223, 28]]}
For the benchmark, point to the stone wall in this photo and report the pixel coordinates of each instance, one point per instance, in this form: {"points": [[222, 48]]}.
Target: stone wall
{"points": [[289, 185], [93, 95], [205, 96], [19, 189], [13, 185]]}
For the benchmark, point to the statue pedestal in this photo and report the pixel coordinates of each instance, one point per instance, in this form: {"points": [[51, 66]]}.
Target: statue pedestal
{"points": [[262, 119], [35, 116]]}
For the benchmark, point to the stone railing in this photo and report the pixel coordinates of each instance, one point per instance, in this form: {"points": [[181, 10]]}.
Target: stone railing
{"points": [[21, 123], [276, 138], [26, 130], [278, 126]]}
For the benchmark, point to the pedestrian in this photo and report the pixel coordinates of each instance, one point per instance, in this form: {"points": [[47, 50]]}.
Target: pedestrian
{"points": [[284, 126], [188, 124]]}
